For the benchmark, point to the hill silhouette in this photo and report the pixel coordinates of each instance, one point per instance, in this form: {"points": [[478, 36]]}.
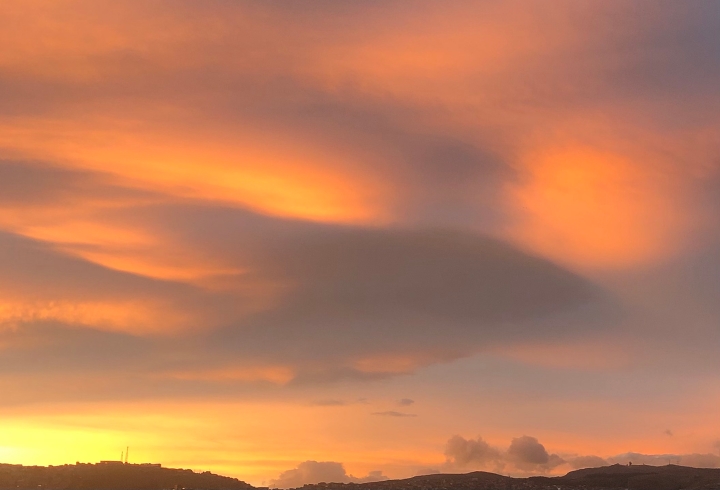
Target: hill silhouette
{"points": [[615, 477], [119, 476], [112, 476]]}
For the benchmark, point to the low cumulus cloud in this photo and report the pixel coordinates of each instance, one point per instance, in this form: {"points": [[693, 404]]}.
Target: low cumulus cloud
{"points": [[526, 455], [310, 472], [579, 462], [463, 452], [405, 402]]}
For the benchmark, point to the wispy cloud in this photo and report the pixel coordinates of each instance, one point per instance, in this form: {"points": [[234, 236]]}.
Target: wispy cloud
{"points": [[393, 413]]}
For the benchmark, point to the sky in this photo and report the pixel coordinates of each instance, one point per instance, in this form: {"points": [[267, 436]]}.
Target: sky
{"points": [[310, 240]]}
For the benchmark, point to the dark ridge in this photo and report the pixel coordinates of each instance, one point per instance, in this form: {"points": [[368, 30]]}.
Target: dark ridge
{"points": [[112, 475], [616, 477], [118, 476]]}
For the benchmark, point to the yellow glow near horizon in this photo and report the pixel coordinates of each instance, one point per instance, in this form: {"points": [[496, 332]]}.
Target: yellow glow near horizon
{"points": [[252, 441]]}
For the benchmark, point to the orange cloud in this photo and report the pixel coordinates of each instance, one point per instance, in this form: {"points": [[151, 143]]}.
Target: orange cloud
{"points": [[279, 181], [595, 209], [279, 375], [398, 363], [136, 317]]}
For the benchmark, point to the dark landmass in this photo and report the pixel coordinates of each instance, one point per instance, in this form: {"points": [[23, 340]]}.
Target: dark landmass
{"points": [[119, 476], [112, 476], [616, 477]]}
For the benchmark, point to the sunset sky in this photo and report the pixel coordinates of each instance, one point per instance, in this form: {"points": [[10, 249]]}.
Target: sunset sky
{"points": [[308, 240]]}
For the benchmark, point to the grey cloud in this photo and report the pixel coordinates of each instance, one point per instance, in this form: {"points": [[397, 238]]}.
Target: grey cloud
{"points": [[691, 281], [310, 472], [349, 293], [357, 280], [404, 402], [463, 452], [372, 476], [37, 272], [35, 268], [580, 462], [52, 348], [528, 454], [28, 184], [349, 284], [525, 455]]}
